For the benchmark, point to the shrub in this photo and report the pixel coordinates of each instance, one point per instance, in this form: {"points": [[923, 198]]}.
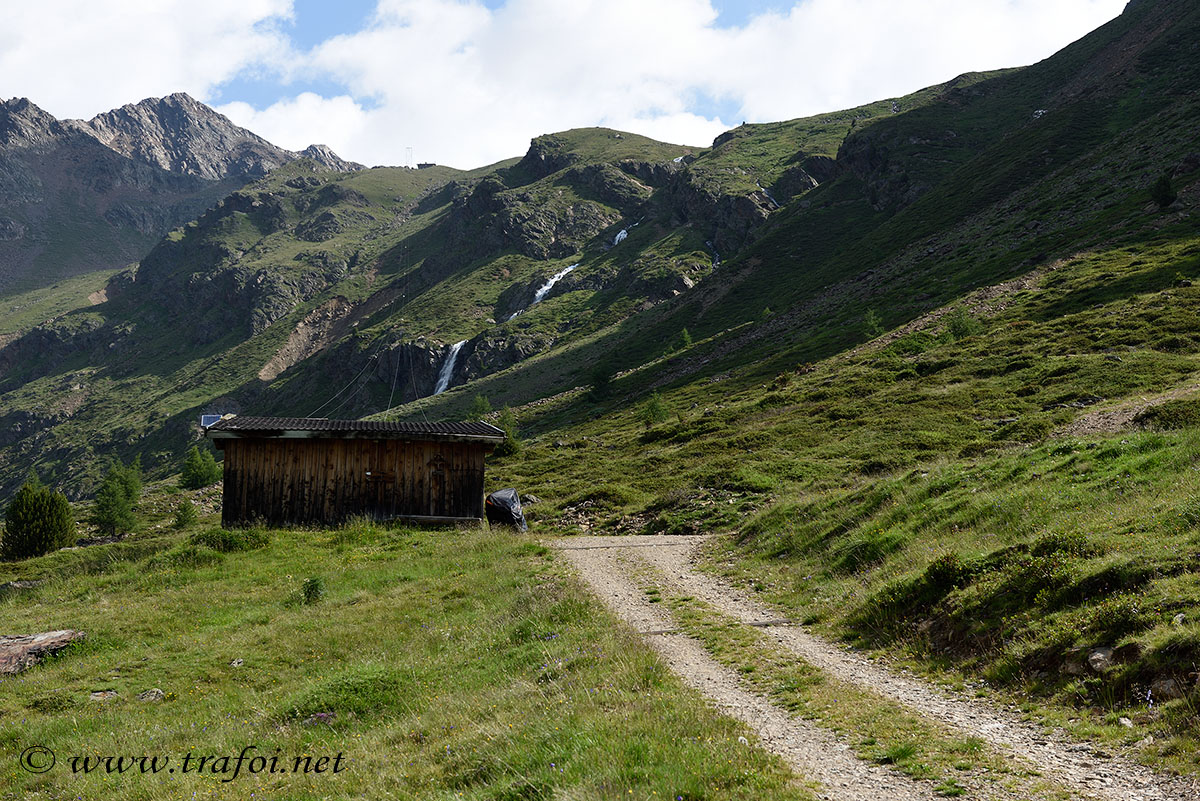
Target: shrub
{"points": [[1174, 414], [507, 423], [872, 324], [1162, 193], [38, 520], [601, 380], [185, 514], [225, 540], [186, 556], [200, 469], [360, 689], [682, 341], [312, 590], [960, 324]]}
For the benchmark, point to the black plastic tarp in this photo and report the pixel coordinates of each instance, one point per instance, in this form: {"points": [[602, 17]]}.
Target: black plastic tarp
{"points": [[504, 507]]}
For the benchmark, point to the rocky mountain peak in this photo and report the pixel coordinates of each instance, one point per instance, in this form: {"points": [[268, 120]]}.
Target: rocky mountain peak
{"points": [[180, 134], [324, 155], [23, 124]]}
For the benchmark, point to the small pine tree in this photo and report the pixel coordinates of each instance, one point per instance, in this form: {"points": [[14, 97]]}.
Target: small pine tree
{"points": [[37, 521], [200, 469], [118, 496], [185, 514], [507, 422], [130, 478], [681, 342], [654, 410], [1162, 193], [480, 408]]}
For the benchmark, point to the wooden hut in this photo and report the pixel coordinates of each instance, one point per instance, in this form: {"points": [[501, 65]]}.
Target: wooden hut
{"points": [[304, 471]]}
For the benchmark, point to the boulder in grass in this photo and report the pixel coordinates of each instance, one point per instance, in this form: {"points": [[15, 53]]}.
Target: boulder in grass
{"points": [[21, 651]]}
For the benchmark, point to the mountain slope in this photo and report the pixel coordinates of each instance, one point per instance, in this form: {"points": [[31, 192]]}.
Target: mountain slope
{"points": [[79, 196], [590, 256]]}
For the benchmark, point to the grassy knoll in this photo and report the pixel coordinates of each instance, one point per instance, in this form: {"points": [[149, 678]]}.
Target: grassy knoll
{"points": [[439, 664]]}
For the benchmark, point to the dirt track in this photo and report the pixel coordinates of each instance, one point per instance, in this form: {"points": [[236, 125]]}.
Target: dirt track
{"points": [[607, 564]]}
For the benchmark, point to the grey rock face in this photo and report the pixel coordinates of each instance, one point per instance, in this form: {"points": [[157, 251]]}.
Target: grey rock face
{"points": [[1167, 689], [324, 155], [23, 124], [180, 134]]}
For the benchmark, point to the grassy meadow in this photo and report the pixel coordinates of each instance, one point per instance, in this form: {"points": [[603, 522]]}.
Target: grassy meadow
{"points": [[452, 663]]}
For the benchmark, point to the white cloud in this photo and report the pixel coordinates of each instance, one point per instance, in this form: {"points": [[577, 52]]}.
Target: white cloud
{"points": [[304, 120], [78, 58], [466, 85]]}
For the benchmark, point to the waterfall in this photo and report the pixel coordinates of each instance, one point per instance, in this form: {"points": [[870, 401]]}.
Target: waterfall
{"points": [[447, 371], [620, 237], [716, 262], [768, 194], [546, 287]]}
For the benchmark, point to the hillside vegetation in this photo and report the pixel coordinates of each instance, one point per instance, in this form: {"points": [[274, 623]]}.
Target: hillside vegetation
{"points": [[928, 365]]}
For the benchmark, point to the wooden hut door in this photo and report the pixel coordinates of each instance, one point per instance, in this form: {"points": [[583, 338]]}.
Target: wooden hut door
{"points": [[438, 467], [380, 499]]}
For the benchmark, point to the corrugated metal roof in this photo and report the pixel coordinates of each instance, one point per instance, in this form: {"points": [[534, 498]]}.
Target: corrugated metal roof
{"points": [[276, 426]]}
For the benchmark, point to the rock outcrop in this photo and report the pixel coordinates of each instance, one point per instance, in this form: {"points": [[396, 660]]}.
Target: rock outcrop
{"points": [[324, 155], [19, 652]]}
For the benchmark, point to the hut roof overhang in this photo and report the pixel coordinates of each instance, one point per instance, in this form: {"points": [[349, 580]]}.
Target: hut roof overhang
{"points": [[240, 427]]}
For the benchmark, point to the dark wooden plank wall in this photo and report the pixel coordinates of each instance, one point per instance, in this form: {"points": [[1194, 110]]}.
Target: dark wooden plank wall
{"points": [[325, 481]]}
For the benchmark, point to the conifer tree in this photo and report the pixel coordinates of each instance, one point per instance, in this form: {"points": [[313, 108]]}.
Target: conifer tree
{"points": [[117, 497], [200, 469], [37, 521]]}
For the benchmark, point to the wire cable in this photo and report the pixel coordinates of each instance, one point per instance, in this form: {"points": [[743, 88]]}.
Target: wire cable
{"points": [[370, 359]]}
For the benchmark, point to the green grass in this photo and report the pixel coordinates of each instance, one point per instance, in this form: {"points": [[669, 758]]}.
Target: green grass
{"points": [[19, 313], [437, 663]]}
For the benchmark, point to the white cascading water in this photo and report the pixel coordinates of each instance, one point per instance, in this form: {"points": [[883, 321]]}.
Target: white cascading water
{"points": [[545, 288], [770, 197], [620, 237], [447, 371], [716, 262]]}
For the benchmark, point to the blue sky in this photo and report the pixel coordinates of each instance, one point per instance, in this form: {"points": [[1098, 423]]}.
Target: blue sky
{"points": [[468, 82]]}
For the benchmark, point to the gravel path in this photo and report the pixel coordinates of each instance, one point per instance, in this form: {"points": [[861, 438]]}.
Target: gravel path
{"points": [[812, 752], [1073, 765]]}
